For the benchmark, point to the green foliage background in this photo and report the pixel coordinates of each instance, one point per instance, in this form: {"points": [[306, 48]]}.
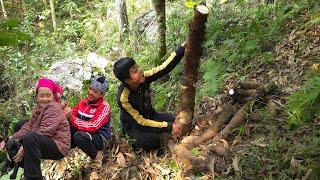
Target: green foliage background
{"points": [[237, 33]]}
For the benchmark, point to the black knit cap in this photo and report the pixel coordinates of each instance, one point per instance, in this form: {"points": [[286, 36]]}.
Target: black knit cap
{"points": [[100, 83], [121, 68]]}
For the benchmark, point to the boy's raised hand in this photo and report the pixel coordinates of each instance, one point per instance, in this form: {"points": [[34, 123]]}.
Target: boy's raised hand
{"points": [[183, 44]]}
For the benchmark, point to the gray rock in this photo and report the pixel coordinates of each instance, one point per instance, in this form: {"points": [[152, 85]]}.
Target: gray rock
{"points": [[71, 72]]}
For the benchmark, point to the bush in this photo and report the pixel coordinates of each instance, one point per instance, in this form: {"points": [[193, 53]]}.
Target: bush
{"points": [[303, 105]]}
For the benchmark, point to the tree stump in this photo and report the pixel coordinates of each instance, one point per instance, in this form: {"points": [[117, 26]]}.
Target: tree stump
{"points": [[193, 53]]}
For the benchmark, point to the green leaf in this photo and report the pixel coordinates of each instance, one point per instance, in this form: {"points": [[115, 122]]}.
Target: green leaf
{"points": [[315, 20], [242, 78], [10, 23], [7, 175], [12, 38], [241, 131], [230, 42], [190, 4], [267, 57], [302, 105], [7, 39], [22, 36], [195, 151]]}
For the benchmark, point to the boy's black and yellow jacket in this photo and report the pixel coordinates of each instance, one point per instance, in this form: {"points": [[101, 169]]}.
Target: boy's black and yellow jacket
{"points": [[136, 109]]}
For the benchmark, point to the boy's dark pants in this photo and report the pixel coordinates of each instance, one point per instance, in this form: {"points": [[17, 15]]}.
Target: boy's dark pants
{"points": [[36, 147], [90, 143], [151, 138]]}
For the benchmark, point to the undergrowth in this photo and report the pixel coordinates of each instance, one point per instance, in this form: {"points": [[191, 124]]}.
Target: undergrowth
{"points": [[238, 34], [281, 153], [303, 105]]}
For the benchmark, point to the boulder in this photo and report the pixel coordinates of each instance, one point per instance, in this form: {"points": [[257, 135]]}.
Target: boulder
{"points": [[73, 71]]}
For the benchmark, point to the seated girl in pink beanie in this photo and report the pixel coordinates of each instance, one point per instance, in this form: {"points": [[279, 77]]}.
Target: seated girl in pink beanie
{"points": [[47, 134]]}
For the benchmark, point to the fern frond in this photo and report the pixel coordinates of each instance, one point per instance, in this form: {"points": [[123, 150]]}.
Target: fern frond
{"points": [[303, 104]]}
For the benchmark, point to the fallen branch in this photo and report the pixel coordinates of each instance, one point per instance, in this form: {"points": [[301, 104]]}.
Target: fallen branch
{"points": [[236, 167], [238, 119], [244, 92], [182, 150], [190, 162], [250, 85]]}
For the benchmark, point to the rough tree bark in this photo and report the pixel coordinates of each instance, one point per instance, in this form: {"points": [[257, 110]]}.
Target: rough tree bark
{"points": [[122, 18], [183, 150], [53, 15], [221, 128], [23, 7], [244, 92], [122, 23], [228, 110], [3, 10], [160, 8], [193, 52], [196, 164], [224, 117], [45, 4]]}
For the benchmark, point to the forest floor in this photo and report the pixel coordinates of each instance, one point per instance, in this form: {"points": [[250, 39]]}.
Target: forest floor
{"points": [[265, 146]]}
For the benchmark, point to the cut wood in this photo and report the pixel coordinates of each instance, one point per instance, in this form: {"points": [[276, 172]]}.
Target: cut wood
{"points": [[189, 161], [183, 150], [193, 53], [238, 119], [244, 92], [250, 85], [223, 118]]}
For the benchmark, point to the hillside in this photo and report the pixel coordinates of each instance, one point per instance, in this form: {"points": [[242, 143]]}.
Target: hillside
{"points": [[275, 46]]}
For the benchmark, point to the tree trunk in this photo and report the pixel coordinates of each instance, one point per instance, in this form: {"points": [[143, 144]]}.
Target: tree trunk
{"points": [[122, 17], [53, 15], [123, 23], [160, 8], [193, 52], [3, 10], [23, 6], [45, 4]]}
